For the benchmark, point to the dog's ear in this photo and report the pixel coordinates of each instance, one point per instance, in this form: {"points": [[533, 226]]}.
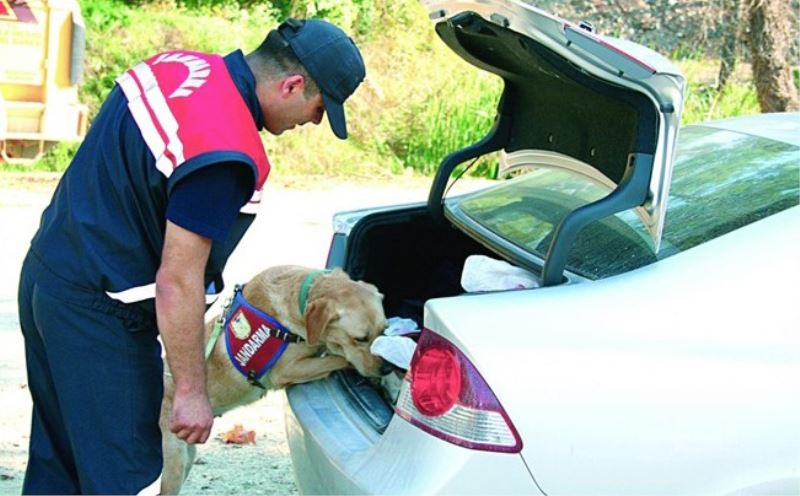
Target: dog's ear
{"points": [[319, 314]]}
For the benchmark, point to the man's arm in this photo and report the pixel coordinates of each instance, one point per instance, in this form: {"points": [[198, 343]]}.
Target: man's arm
{"points": [[180, 310]]}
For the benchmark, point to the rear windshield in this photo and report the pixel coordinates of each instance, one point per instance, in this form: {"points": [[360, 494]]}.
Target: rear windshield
{"points": [[721, 180]]}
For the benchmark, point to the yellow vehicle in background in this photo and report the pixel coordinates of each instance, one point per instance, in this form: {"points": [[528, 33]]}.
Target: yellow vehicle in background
{"points": [[42, 44]]}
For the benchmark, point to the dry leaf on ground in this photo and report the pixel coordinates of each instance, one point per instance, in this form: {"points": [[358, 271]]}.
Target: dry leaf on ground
{"points": [[238, 435]]}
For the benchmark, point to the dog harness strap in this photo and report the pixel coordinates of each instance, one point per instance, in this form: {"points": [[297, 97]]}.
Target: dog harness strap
{"points": [[215, 333], [219, 324], [306, 287], [253, 381]]}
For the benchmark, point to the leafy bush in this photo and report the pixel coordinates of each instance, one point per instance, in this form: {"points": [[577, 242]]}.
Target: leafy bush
{"points": [[419, 102], [137, 32], [354, 16]]}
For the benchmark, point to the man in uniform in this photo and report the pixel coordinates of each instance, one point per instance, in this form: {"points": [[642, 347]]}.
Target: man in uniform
{"points": [[136, 237]]}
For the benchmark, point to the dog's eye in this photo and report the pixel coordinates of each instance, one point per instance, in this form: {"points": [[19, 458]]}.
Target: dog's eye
{"points": [[362, 339]]}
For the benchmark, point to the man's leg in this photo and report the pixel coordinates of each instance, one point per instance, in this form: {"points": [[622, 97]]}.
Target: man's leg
{"points": [[51, 468], [108, 378]]}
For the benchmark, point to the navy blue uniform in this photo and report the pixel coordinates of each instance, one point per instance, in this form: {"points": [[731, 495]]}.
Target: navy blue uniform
{"points": [[94, 363]]}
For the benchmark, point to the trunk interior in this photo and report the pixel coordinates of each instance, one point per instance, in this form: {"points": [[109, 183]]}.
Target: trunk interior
{"points": [[410, 258]]}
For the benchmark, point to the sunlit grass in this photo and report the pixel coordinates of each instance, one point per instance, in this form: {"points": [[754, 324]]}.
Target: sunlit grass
{"points": [[703, 100]]}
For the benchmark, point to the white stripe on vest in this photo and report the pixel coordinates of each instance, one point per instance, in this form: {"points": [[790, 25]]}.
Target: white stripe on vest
{"points": [[146, 125], [141, 293], [158, 103], [151, 112]]}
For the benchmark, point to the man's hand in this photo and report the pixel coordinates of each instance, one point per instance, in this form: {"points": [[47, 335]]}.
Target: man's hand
{"points": [[191, 418]]}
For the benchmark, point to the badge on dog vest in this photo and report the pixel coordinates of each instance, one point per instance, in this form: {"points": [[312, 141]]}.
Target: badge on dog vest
{"points": [[249, 338]]}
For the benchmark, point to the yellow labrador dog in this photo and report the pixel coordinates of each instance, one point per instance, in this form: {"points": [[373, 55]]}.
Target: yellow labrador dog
{"points": [[327, 310]]}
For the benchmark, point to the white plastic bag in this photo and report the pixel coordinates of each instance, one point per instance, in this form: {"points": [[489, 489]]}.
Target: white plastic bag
{"points": [[397, 350], [398, 326], [482, 273]]}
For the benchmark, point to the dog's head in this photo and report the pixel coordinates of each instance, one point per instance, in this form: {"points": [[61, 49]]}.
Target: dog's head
{"points": [[347, 316]]}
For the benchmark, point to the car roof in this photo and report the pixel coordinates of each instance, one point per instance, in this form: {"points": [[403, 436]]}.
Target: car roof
{"points": [[779, 126]]}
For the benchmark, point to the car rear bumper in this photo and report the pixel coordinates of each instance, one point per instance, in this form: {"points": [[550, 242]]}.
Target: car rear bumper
{"points": [[335, 451]]}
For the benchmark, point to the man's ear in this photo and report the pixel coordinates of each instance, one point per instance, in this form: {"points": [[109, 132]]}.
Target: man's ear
{"points": [[292, 84], [319, 314]]}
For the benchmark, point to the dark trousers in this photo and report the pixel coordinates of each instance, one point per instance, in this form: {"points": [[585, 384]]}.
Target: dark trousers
{"points": [[95, 377]]}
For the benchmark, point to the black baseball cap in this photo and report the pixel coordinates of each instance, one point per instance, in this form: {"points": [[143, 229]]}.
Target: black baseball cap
{"points": [[331, 58]]}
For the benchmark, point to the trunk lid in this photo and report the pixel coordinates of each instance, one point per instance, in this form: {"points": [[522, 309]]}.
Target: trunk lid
{"points": [[610, 105]]}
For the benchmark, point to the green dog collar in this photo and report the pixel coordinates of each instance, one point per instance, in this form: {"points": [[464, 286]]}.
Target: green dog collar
{"points": [[304, 289]]}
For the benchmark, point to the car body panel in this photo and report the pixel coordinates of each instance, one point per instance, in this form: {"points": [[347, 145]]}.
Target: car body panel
{"points": [[777, 126], [333, 454], [643, 405]]}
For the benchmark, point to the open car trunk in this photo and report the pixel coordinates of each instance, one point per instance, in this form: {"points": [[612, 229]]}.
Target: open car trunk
{"points": [[412, 259], [605, 109]]}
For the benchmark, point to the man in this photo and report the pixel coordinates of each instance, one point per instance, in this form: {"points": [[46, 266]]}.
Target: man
{"points": [[136, 236]]}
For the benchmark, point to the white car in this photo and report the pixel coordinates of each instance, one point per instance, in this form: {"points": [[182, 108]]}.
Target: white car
{"points": [[660, 352]]}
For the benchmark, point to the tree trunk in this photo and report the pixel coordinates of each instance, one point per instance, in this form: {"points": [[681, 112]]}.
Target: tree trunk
{"points": [[770, 41], [730, 41]]}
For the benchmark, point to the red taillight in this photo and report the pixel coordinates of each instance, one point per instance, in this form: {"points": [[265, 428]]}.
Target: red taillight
{"points": [[437, 381], [448, 398]]}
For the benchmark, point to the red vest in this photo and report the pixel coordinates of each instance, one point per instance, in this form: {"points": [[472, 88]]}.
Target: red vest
{"points": [[186, 104]]}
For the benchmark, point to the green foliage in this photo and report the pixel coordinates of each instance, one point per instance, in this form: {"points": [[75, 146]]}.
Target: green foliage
{"points": [[456, 114], [105, 14], [703, 101], [419, 101], [55, 159], [58, 157], [137, 32], [354, 16], [685, 52]]}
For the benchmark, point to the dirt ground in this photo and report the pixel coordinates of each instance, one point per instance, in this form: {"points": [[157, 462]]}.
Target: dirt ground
{"points": [[299, 215], [262, 468]]}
